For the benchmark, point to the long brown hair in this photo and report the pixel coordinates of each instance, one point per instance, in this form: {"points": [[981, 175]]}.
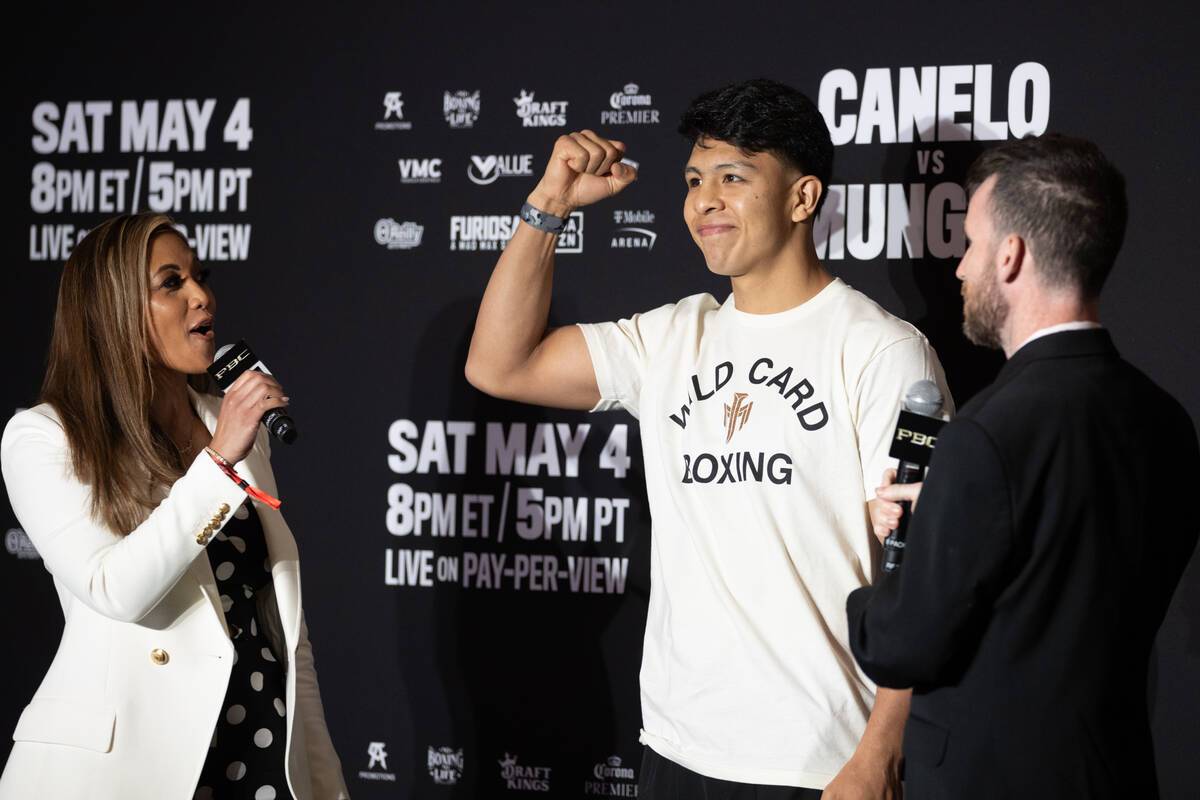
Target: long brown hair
{"points": [[99, 372]]}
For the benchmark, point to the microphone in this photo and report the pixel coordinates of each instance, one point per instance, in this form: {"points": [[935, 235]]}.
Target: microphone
{"points": [[230, 362], [913, 443]]}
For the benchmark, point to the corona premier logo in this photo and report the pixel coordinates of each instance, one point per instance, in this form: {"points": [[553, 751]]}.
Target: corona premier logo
{"points": [[736, 415], [629, 107]]}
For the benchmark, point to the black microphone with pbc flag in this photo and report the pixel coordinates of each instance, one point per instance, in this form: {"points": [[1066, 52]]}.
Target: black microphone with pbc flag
{"points": [[912, 443], [230, 362]]}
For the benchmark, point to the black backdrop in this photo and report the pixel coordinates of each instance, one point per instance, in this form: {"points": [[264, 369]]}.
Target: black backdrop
{"points": [[358, 168]]}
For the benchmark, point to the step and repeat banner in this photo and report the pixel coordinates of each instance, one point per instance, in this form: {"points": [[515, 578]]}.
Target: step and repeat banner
{"points": [[475, 571]]}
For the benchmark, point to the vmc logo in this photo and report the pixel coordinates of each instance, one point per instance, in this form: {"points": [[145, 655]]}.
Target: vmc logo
{"points": [[420, 170]]}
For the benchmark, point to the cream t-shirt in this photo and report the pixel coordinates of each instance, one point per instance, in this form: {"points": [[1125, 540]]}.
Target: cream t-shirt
{"points": [[763, 438]]}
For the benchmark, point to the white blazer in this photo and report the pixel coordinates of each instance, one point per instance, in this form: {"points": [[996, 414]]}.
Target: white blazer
{"points": [[128, 707]]}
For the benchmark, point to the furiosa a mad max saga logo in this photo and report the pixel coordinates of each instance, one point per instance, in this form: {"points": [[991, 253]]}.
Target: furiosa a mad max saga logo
{"points": [[469, 232]]}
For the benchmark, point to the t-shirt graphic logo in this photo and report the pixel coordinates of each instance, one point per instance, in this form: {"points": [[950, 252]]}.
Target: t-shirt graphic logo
{"points": [[736, 415]]}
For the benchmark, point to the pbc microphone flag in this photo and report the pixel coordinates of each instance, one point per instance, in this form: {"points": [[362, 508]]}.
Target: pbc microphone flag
{"points": [[913, 442], [915, 438], [230, 362]]}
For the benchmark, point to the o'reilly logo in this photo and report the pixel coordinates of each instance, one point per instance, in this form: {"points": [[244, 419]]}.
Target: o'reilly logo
{"points": [[486, 169]]}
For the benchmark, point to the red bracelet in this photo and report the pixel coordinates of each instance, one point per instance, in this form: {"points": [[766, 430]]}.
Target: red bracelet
{"points": [[227, 468]]}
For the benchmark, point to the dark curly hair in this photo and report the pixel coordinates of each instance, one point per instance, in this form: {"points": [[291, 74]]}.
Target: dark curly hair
{"points": [[764, 116]]}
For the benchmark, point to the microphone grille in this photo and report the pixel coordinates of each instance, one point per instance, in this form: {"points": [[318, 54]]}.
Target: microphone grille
{"points": [[923, 397], [225, 348]]}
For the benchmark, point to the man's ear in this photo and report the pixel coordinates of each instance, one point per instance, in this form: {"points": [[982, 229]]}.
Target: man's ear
{"points": [[1011, 259], [806, 192]]}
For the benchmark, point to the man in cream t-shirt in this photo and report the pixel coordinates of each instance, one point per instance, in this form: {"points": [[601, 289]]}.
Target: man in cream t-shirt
{"points": [[765, 422]]}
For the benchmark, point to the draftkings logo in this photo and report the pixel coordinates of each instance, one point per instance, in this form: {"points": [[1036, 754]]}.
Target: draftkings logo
{"points": [[377, 767], [610, 779], [633, 233], [629, 107], [530, 779], [17, 543], [420, 170], [461, 108], [398, 235], [540, 114], [471, 232], [486, 169], [445, 765], [737, 414], [393, 114]]}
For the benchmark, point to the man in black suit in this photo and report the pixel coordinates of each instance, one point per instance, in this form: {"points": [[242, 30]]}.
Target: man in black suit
{"points": [[1051, 529]]}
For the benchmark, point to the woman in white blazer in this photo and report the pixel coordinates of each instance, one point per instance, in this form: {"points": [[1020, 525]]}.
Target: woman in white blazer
{"points": [[123, 477]]}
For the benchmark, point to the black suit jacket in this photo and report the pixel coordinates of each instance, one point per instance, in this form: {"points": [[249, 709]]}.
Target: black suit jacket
{"points": [[1050, 534]]}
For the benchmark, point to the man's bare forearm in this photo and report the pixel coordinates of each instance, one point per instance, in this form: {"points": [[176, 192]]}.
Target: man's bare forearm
{"points": [[512, 314]]}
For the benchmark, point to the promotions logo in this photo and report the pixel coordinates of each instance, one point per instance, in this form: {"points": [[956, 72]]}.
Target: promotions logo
{"points": [[629, 107], [377, 768], [633, 235], [545, 114], [393, 114], [420, 170], [17, 543], [472, 232], [461, 108], [611, 780], [530, 779], [736, 415], [445, 765], [486, 169], [398, 236]]}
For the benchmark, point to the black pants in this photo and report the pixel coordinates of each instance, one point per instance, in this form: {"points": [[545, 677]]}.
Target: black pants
{"points": [[663, 779]]}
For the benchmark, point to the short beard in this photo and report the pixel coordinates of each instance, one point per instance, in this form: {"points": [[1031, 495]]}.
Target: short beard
{"points": [[984, 313]]}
